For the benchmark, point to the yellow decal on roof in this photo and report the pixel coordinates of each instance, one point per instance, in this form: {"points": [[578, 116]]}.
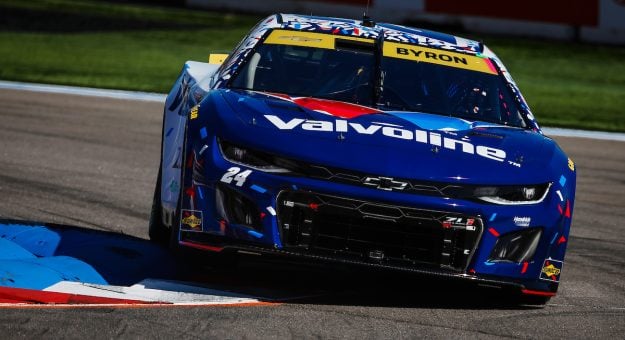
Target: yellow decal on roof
{"points": [[217, 59], [308, 39], [439, 57]]}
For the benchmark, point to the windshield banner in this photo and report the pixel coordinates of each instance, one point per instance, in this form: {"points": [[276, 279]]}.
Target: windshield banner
{"points": [[439, 57], [308, 39]]}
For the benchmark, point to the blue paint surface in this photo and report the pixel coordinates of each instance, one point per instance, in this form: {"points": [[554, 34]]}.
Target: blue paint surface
{"points": [[27, 259], [12, 251], [42, 272], [433, 122], [255, 233], [492, 217], [203, 133], [199, 192], [423, 32], [36, 256], [562, 180], [36, 239], [169, 132], [258, 188], [38, 275]]}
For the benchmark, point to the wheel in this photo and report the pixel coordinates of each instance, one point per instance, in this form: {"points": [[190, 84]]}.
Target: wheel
{"points": [[157, 231]]}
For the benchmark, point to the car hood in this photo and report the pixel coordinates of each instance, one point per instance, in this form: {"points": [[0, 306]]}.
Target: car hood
{"points": [[409, 145]]}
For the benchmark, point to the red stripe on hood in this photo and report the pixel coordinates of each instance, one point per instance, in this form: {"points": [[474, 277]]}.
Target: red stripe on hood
{"points": [[335, 108]]}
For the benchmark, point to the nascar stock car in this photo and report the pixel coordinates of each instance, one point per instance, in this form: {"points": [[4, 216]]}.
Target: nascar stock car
{"points": [[369, 144]]}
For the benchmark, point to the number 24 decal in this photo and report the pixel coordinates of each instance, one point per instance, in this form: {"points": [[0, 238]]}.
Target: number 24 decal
{"points": [[237, 175]]}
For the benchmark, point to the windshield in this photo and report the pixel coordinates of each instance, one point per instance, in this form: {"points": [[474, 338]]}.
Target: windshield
{"points": [[343, 73], [408, 78]]}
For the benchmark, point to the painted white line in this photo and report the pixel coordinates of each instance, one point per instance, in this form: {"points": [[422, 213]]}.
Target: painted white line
{"points": [[559, 132], [151, 290], [84, 91], [157, 97]]}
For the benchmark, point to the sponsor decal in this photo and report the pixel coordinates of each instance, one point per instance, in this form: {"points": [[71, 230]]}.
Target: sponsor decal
{"points": [[571, 165], [376, 255], [551, 270], [395, 131], [194, 112], [191, 220], [522, 221], [439, 57], [459, 222], [308, 39], [385, 183]]}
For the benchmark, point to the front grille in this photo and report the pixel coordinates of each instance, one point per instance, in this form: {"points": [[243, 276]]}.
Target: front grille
{"points": [[356, 230], [373, 181]]}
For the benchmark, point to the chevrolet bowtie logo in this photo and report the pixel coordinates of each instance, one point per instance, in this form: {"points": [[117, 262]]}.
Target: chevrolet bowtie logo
{"points": [[385, 183]]}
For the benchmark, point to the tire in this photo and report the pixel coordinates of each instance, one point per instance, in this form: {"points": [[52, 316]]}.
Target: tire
{"points": [[157, 231]]}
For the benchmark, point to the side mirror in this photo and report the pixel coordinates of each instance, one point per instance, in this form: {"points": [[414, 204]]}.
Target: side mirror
{"points": [[217, 59]]}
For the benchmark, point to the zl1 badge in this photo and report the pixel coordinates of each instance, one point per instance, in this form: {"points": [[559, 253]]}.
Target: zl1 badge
{"points": [[551, 270], [191, 220]]}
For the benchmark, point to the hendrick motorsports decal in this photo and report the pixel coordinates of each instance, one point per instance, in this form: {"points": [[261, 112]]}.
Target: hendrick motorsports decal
{"points": [[551, 270], [522, 221], [391, 131]]}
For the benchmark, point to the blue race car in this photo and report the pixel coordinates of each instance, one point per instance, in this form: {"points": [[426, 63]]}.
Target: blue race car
{"points": [[369, 144]]}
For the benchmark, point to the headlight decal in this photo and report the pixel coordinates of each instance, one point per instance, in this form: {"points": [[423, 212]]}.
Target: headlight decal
{"points": [[518, 195], [254, 159]]}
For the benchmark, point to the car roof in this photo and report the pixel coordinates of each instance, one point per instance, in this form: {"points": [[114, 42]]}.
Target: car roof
{"points": [[391, 32]]}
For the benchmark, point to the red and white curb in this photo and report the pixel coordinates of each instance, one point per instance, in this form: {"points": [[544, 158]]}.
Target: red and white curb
{"points": [[147, 292]]}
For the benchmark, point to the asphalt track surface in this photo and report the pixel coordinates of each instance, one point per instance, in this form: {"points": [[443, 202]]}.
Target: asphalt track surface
{"points": [[92, 162]]}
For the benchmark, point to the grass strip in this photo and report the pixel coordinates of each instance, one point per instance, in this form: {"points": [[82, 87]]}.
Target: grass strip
{"points": [[137, 47]]}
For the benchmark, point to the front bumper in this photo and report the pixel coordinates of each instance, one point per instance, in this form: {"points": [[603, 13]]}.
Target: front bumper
{"points": [[328, 221]]}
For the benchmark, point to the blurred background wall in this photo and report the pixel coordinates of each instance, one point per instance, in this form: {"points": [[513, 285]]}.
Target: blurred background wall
{"points": [[600, 21]]}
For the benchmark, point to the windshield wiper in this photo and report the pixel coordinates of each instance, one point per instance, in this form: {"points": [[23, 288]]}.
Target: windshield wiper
{"points": [[378, 76]]}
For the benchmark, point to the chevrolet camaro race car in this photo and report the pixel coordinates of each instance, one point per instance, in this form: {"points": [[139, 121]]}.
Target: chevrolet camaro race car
{"points": [[368, 144]]}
